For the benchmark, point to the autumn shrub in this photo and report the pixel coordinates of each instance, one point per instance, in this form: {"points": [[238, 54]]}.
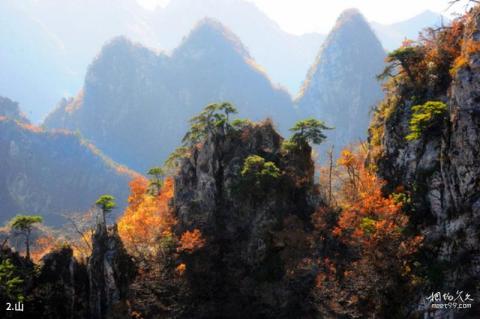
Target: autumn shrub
{"points": [[373, 269], [424, 67], [469, 48], [147, 219], [43, 245], [147, 231], [190, 241]]}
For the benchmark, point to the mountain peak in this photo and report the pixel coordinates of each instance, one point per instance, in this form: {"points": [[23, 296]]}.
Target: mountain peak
{"points": [[350, 13], [351, 16], [119, 43], [123, 45], [341, 85], [211, 35], [428, 14]]}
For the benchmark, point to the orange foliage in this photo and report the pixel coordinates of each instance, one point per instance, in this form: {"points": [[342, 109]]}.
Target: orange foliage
{"points": [[138, 188], [31, 127], [42, 246], [181, 269], [371, 227], [147, 218], [191, 241], [369, 218]]}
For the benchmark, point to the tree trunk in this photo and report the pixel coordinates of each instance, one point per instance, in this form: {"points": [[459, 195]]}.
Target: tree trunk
{"points": [[27, 244], [330, 158]]}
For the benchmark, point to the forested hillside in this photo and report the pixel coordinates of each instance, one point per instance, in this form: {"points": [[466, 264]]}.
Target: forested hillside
{"points": [[51, 173]]}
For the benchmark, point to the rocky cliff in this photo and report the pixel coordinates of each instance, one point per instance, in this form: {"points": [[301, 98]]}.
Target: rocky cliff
{"points": [[252, 227], [110, 272], [440, 168], [61, 287]]}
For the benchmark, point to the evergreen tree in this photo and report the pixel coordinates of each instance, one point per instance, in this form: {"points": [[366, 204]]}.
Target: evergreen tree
{"points": [[24, 224], [106, 203], [309, 130]]}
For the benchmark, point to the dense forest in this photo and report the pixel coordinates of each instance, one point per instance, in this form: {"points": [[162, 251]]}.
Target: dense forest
{"points": [[241, 222]]}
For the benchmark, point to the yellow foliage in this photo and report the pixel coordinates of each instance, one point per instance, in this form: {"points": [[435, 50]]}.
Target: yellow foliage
{"points": [[42, 246], [460, 62]]}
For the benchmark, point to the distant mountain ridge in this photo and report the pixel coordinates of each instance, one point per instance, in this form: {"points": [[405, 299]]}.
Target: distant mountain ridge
{"points": [[285, 57], [60, 38], [10, 109], [135, 104], [51, 173], [392, 35]]}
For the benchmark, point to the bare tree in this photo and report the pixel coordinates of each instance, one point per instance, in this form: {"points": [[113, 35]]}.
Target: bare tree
{"points": [[330, 172]]}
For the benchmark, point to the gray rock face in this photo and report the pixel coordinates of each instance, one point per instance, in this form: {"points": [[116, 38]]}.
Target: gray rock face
{"points": [[241, 272], [442, 170], [341, 87], [110, 272]]}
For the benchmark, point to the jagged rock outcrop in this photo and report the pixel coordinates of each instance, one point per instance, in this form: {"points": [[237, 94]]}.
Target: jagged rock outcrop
{"points": [[62, 286], [52, 173], [244, 269], [110, 272], [341, 87], [441, 170], [133, 94]]}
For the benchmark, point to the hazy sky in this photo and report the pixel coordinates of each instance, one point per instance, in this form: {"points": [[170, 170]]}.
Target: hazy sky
{"points": [[301, 16]]}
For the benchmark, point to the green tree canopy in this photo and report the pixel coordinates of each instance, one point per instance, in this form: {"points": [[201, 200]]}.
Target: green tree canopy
{"points": [[259, 173], [24, 224], [106, 203], [10, 282], [405, 57], [156, 181], [424, 117], [213, 116], [309, 130], [173, 159]]}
